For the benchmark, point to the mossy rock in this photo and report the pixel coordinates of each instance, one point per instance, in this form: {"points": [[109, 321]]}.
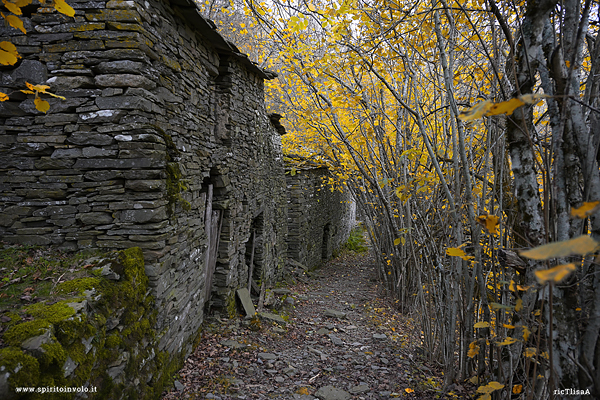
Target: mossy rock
{"points": [[24, 369], [17, 334], [53, 313], [78, 286]]}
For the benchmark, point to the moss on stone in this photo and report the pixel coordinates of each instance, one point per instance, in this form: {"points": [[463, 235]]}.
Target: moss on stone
{"points": [[24, 369], [175, 185], [71, 330], [78, 285], [231, 305], [54, 356], [53, 313], [17, 334], [113, 340]]}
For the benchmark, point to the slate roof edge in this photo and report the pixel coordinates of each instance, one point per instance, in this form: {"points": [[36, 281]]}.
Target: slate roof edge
{"points": [[208, 29]]}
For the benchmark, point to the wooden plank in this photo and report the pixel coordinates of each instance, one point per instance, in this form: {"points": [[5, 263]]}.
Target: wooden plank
{"points": [[244, 296], [212, 226], [251, 266]]}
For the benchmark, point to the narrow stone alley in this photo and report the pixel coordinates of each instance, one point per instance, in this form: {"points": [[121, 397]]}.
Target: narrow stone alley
{"points": [[339, 339]]}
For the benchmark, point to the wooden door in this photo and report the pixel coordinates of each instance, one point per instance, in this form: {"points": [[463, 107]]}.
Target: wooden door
{"points": [[213, 221]]}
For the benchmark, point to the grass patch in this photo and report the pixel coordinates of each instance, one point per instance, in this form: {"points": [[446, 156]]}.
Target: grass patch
{"points": [[356, 241]]}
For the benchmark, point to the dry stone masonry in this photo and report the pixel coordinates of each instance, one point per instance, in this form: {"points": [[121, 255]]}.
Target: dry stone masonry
{"points": [[163, 143], [319, 219]]}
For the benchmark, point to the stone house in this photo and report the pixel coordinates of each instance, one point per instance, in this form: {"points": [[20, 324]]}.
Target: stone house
{"points": [[319, 218], [163, 143]]}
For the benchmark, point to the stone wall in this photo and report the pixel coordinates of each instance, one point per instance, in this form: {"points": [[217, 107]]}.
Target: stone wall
{"points": [[319, 219], [162, 135]]}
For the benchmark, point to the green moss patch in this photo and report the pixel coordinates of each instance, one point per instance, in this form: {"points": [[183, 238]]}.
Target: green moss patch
{"points": [[78, 286], [17, 334], [24, 369], [53, 313], [80, 344]]}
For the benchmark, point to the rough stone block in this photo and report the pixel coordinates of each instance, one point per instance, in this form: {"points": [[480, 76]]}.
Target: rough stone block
{"points": [[124, 102], [114, 15], [143, 216], [123, 80], [95, 218], [109, 163]]}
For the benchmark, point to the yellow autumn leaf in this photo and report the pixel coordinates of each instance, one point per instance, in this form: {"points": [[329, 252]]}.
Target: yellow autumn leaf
{"points": [[41, 105], [8, 53], [485, 396], [507, 341], [482, 324], [473, 349], [526, 333], [477, 111], [3, 96], [489, 222], [62, 7], [490, 387], [505, 107], [22, 3], [530, 352], [517, 389], [457, 252], [397, 242], [487, 108], [588, 208], [37, 88], [409, 390], [311, 7], [15, 22], [555, 274], [581, 245], [12, 7], [519, 305], [303, 391], [508, 326]]}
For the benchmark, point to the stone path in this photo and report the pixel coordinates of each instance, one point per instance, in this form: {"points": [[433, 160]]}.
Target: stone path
{"points": [[340, 341]]}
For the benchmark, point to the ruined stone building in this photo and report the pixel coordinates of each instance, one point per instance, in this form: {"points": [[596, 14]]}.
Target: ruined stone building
{"points": [[163, 143]]}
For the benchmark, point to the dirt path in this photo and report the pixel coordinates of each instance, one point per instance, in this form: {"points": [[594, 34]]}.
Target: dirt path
{"points": [[364, 352]]}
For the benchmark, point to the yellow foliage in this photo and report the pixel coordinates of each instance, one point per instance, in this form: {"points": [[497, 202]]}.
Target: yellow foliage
{"points": [[473, 349], [458, 252], [490, 387], [489, 222], [41, 105], [555, 274], [482, 324], [519, 305], [3, 96], [588, 208], [15, 22], [488, 108], [517, 389], [8, 53], [530, 352], [581, 245], [303, 391], [63, 8], [507, 341]]}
